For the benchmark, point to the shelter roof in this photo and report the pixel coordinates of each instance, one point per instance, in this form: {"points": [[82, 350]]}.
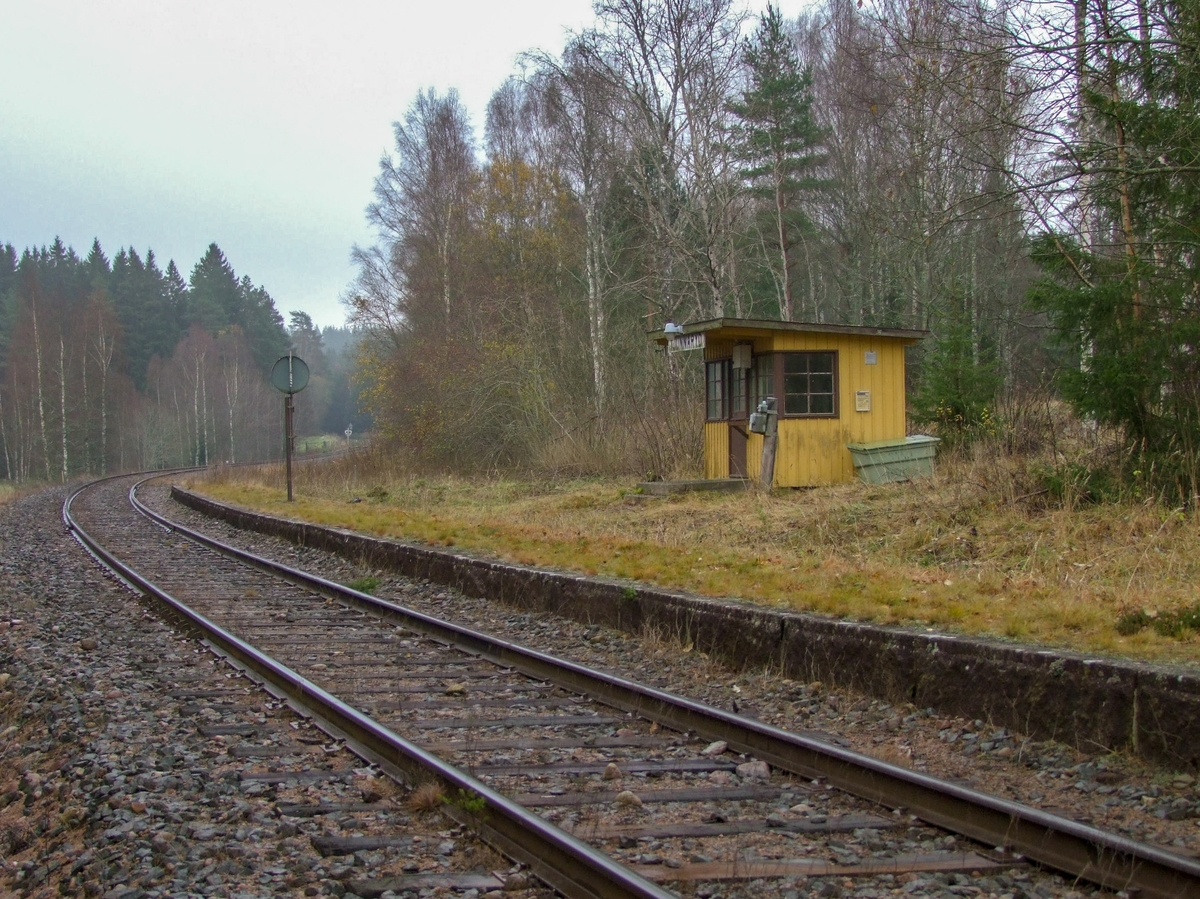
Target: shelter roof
{"points": [[749, 327]]}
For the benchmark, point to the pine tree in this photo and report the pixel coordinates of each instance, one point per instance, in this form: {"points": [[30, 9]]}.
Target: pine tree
{"points": [[306, 338], [777, 138]]}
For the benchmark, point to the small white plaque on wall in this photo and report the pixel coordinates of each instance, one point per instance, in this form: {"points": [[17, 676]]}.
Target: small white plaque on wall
{"points": [[869, 358], [862, 401]]}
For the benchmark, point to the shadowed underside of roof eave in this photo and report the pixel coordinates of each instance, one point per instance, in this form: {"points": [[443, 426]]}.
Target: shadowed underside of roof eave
{"points": [[744, 327]]}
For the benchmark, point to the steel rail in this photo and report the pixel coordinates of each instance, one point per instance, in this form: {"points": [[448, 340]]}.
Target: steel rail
{"points": [[566, 863], [1080, 850]]}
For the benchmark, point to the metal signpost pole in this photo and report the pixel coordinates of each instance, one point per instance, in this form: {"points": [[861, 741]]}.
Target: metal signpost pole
{"points": [[289, 439], [289, 420], [289, 376]]}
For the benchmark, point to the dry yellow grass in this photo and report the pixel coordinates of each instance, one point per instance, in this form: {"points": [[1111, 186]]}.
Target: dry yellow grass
{"points": [[9, 493], [425, 798], [975, 550]]}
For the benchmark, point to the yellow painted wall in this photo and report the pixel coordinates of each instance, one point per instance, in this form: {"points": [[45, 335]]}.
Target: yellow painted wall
{"points": [[812, 451], [716, 433], [716, 449], [754, 456]]}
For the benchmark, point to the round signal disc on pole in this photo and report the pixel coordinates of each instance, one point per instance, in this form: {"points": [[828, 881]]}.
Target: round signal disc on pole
{"points": [[289, 374]]}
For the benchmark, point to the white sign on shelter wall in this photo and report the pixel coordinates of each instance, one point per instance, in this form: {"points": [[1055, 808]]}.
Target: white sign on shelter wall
{"points": [[681, 342]]}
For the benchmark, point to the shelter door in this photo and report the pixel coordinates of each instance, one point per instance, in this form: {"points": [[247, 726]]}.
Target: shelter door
{"points": [[737, 450], [739, 414]]}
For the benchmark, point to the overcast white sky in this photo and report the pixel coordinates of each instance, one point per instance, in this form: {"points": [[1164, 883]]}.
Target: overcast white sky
{"points": [[257, 124]]}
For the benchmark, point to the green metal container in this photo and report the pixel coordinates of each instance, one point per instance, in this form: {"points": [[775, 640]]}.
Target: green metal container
{"points": [[894, 460]]}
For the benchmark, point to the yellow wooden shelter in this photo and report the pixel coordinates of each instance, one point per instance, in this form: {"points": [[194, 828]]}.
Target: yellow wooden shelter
{"points": [[835, 386]]}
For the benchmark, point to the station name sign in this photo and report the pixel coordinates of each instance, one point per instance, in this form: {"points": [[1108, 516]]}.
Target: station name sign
{"points": [[681, 342]]}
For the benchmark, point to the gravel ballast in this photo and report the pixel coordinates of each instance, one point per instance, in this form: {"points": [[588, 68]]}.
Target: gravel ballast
{"points": [[1092, 703], [109, 787], [1111, 790], [134, 763]]}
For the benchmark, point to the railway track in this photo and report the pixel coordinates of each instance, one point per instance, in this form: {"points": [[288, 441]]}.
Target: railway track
{"points": [[650, 793]]}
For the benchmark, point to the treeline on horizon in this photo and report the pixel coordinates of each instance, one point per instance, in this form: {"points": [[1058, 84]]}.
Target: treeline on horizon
{"points": [[1016, 177], [118, 365]]}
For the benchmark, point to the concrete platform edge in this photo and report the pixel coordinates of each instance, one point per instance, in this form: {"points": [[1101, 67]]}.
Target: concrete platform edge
{"points": [[1096, 704]]}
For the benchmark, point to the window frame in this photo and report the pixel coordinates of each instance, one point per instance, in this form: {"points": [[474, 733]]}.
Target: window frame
{"points": [[756, 396], [736, 396], [781, 385], [723, 366]]}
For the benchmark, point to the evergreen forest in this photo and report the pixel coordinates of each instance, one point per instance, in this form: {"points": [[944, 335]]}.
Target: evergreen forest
{"points": [[1018, 177], [118, 365]]}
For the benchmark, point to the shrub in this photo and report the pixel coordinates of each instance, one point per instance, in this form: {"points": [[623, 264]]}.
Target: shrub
{"points": [[1074, 483], [958, 385], [1179, 624]]}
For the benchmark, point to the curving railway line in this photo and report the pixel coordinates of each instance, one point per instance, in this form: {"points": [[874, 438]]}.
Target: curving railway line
{"points": [[601, 786]]}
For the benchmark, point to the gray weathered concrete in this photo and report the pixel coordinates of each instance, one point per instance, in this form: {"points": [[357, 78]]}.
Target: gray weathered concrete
{"points": [[1095, 704]]}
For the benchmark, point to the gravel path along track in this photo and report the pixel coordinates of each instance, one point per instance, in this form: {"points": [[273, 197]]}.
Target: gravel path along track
{"points": [[108, 785], [1110, 791], [128, 754]]}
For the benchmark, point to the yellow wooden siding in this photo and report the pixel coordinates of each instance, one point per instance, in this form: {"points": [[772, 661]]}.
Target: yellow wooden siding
{"points": [[716, 433], [718, 349], [716, 449], [812, 451], [754, 456]]}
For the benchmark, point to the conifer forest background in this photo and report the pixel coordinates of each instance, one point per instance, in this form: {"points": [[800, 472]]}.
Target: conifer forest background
{"points": [[118, 365], [1019, 177]]}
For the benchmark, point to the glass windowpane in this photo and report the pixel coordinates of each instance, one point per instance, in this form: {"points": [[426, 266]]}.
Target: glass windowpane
{"points": [[737, 394], [764, 371], [808, 384], [715, 389]]}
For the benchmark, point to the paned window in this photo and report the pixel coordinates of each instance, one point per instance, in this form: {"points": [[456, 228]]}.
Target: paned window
{"points": [[737, 393], [716, 389], [809, 384], [762, 378]]}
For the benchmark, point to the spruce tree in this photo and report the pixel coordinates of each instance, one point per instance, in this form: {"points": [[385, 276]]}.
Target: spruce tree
{"points": [[99, 270], [9, 280], [215, 297], [1130, 312], [175, 292], [776, 137], [8, 269], [161, 325], [133, 303], [263, 324]]}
